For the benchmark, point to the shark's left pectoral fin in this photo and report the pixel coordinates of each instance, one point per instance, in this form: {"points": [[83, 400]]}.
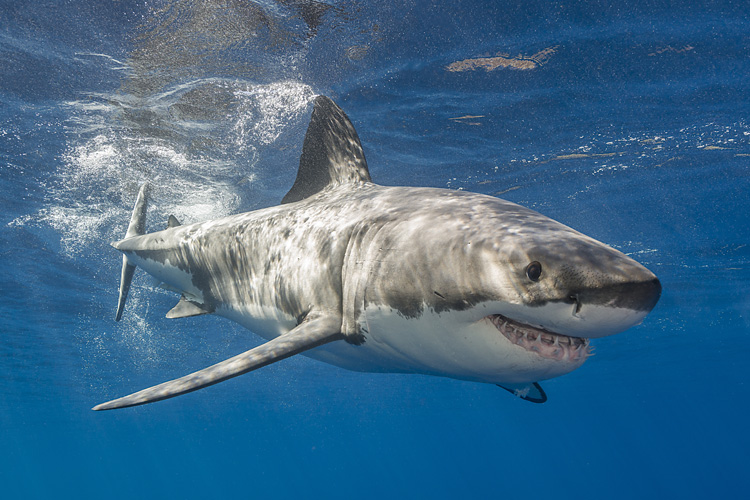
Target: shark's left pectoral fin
{"points": [[311, 333], [529, 392], [186, 308]]}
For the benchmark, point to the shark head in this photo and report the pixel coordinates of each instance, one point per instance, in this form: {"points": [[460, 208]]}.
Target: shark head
{"points": [[469, 286], [561, 281]]}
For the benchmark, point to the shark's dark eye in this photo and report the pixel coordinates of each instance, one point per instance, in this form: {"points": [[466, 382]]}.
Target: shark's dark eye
{"points": [[534, 271]]}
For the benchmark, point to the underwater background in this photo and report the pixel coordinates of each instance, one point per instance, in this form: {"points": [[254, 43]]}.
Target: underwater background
{"points": [[626, 120]]}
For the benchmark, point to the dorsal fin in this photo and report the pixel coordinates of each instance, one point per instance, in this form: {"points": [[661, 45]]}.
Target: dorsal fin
{"points": [[331, 153], [173, 222]]}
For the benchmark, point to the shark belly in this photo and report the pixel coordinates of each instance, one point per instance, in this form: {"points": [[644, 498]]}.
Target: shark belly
{"points": [[442, 344], [428, 345]]}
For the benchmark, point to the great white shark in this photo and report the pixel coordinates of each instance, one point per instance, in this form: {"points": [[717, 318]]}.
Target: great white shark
{"points": [[390, 279]]}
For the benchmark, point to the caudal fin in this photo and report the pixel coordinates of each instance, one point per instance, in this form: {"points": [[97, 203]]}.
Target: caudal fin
{"points": [[136, 227]]}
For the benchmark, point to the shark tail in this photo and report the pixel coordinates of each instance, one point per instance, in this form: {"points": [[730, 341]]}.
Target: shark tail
{"points": [[136, 227]]}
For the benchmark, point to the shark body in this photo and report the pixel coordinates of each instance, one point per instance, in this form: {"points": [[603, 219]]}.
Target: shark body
{"points": [[390, 279]]}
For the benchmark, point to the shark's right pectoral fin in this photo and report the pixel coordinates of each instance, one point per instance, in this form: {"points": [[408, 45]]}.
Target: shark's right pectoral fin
{"points": [[311, 333], [530, 392]]}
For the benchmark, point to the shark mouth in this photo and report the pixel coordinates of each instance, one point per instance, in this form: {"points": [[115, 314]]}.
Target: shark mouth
{"points": [[541, 342]]}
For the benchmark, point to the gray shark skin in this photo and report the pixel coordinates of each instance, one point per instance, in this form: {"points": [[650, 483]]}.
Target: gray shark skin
{"points": [[390, 279]]}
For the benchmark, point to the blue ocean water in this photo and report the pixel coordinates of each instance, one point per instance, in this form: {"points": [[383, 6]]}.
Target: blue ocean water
{"points": [[625, 120]]}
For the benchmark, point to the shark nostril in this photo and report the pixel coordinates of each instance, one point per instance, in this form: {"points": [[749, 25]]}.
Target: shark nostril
{"points": [[574, 299]]}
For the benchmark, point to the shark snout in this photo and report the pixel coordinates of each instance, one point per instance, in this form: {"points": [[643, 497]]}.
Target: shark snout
{"points": [[647, 293], [607, 310], [634, 295]]}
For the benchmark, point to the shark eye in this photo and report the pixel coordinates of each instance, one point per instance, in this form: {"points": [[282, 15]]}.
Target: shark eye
{"points": [[534, 271]]}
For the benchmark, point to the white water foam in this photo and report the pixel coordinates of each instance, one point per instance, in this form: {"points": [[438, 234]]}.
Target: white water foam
{"points": [[196, 143], [199, 144]]}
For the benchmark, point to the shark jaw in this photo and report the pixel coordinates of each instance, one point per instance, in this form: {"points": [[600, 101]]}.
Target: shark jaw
{"points": [[543, 343]]}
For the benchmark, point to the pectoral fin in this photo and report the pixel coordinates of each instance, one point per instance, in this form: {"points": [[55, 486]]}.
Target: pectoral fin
{"points": [[529, 392], [307, 335]]}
